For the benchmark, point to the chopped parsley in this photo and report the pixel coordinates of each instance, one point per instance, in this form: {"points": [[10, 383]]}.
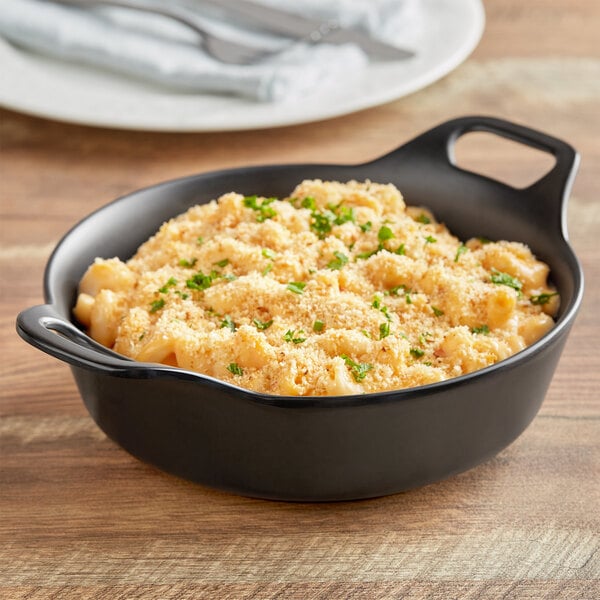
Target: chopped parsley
{"points": [[322, 223], [482, 329], [296, 286], [170, 283], [228, 322], [267, 269], [358, 370], [199, 240], [500, 278], [310, 203], [339, 261], [222, 263], [384, 329], [459, 251], [430, 239], [423, 218], [181, 294], [385, 233], [262, 209], [262, 325], [436, 311], [200, 281], [318, 326], [365, 255], [407, 291], [366, 226], [184, 262], [542, 298], [343, 214], [417, 352], [268, 253], [425, 338], [235, 369], [292, 336], [400, 250], [157, 305], [380, 307]]}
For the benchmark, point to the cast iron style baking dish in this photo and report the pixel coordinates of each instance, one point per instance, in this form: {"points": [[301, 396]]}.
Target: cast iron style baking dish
{"points": [[321, 448]]}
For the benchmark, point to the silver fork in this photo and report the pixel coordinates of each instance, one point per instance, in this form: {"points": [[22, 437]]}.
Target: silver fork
{"points": [[223, 50]]}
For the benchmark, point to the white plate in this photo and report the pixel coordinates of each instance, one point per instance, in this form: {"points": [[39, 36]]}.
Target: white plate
{"points": [[67, 92]]}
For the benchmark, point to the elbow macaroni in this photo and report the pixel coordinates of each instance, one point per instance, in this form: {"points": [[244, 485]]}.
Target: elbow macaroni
{"points": [[338, 289]]}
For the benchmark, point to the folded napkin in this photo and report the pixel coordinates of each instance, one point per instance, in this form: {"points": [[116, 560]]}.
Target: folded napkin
{"points": [[158, 49]]}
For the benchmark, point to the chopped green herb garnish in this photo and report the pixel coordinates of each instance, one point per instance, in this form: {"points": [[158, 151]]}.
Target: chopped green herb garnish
{"points": [[200, 281], [417, 352], [321, 223], [500, 278], [339, 261], [228, 277], [235, 369], [292, 336], [228, 322], [262, 209], [542, 298], [484, 240], [222, 263], [296, 286], [425, 338], [400, 250], [460, 250], [366, 226], [170, 283], [385, 233], [384, 329], [436, 311], [182, 295], [199, 240], [268, 253], [184, 262], [430, 240], [267, 269], [482, 329], [358, 370], [394, 291], [310, 203], [376, 302], [365, 255], [157, 305], [318, 326], [344, 214], [423, 218], [366, 333], [142, 336], [262, 325]]}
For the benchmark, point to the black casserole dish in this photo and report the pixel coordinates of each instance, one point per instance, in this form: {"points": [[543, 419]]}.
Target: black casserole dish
{"points": [[321, 448]]}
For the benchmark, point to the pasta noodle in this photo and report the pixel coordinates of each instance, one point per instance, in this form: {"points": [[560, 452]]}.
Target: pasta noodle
{"points": [[339, 288]]}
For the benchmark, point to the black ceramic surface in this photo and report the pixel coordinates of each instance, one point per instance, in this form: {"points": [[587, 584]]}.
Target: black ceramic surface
{"points": [[321, 448]]}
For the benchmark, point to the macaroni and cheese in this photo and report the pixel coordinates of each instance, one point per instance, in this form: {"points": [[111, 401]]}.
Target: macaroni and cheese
{"points": [[337, 289]]}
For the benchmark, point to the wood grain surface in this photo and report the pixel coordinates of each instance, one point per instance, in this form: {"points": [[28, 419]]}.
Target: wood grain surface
{"points": [[80, 518]]}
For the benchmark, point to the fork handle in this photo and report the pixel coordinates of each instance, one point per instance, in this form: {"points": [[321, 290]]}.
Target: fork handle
{"points": [[177, 13]]}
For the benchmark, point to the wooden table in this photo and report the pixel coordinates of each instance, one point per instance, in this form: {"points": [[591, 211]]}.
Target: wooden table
{"points": [[80, 518]]}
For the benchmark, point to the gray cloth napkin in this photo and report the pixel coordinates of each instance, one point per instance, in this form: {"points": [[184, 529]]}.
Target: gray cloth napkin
{"points": [[160, 50]]}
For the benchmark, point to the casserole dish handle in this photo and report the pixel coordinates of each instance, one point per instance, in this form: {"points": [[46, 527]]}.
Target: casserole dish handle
{"points": [[47, 330], [551, 190]]}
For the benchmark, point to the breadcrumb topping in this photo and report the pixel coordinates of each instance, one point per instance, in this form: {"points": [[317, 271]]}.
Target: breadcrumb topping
{"points": [[339, 288]]}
